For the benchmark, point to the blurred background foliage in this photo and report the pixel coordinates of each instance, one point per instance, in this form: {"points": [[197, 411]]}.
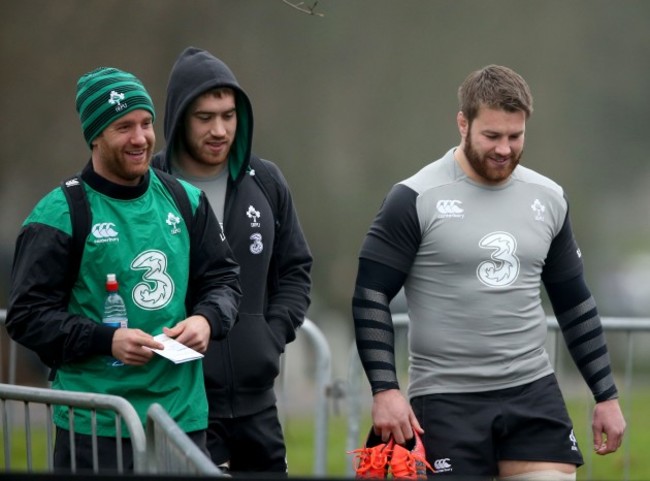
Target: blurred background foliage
{"points": [[352, 101]]}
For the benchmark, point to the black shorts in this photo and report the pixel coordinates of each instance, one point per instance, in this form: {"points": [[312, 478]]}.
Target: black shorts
{"points": [[468, 434]]}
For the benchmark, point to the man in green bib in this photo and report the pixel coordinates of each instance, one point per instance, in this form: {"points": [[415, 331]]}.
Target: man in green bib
{"points": [[173, 282]]}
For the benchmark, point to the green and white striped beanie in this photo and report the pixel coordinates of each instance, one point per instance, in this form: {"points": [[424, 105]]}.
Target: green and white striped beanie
{"points": [[106, 94]]}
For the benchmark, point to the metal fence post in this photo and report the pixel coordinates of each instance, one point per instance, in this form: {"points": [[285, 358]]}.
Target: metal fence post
{"points": [[170, 450], [323, 381]]}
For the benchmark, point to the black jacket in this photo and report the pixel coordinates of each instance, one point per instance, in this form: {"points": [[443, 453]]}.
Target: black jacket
{"points": [[272, 252]]}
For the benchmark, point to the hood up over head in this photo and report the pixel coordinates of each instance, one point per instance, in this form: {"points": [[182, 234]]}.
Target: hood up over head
{"points": [[196, 71]]}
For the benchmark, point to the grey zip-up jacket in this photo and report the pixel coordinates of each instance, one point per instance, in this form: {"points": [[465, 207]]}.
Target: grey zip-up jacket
{"points": [[272, 252]]}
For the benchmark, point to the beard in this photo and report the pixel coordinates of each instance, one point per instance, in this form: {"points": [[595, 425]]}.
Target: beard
{"points": [[117, 167], [196, 151], [486, 169]]}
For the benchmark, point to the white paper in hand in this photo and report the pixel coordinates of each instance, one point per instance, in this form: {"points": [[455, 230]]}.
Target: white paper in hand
{"points": [[175, 351]]}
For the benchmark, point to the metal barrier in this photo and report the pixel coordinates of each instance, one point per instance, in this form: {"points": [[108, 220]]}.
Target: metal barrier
{"points": [[170, 450], [165, 449], [123, 410], [610, 324], [323, 380]]}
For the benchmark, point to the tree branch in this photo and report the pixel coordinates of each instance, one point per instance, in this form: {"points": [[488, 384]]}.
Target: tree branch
{"points": [[305, 8]]}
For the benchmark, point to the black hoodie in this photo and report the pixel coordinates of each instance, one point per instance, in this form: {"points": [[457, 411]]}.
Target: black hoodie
{"points": [[273, 255]]}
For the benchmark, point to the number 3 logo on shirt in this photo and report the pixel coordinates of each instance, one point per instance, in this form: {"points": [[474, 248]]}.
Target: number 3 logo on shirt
{"points": [[157, 288], [503, 268]]}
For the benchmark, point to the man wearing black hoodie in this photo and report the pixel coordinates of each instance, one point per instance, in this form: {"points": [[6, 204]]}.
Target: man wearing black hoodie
{"points": [[209, 129]]}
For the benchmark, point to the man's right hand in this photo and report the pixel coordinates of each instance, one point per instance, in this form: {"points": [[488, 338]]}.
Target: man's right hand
{"points": [[130, 346], [392, 415]]}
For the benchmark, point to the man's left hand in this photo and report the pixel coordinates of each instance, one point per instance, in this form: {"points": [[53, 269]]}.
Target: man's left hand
{"points": [[608, 426]]}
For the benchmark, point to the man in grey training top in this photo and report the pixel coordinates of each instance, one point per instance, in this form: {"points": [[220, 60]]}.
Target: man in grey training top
{"points": [[471, 237]]}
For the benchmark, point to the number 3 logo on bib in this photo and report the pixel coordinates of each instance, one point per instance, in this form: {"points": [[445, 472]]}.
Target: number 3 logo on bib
{"points": [[503, 267], [157, 288]]}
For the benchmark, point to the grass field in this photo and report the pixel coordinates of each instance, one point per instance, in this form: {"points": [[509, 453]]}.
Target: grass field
{"points": [[299, 433]]}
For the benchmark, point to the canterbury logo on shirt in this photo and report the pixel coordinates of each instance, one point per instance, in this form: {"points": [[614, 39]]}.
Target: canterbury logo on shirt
{"points": [[450, 208], [105, 232]]}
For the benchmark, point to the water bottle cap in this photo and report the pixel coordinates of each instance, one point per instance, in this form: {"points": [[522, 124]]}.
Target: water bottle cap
{"points": [[111, 283]]}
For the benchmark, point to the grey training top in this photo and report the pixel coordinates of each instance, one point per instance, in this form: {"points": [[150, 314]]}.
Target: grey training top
{"points": [[475, 257]]}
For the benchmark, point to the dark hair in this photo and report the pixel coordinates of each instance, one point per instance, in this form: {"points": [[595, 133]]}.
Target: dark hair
{"points": [[494, 86]]}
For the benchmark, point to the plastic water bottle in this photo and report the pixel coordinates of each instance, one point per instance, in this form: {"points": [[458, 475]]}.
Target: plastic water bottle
{"points": [[114, 310]]}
